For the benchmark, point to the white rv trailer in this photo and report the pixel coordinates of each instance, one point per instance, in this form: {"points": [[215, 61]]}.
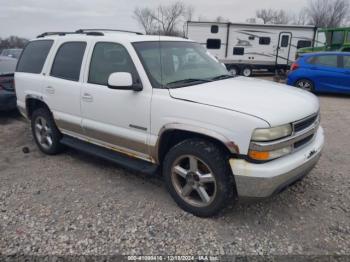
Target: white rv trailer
{"points": [[244, 47]]}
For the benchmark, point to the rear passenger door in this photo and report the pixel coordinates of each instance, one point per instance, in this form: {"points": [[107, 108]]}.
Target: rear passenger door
{"points": [[115, 118], [62, 92]]}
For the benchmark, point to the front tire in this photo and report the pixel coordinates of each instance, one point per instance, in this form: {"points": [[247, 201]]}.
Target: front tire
{"points": [[45, 132], [305, 85], [198, 177]]}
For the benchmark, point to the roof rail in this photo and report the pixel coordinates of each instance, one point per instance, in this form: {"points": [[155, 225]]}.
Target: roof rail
{"points": [[69, 33], [108, 30]]}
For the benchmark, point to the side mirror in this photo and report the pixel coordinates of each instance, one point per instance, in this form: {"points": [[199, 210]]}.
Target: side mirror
{"points": [[123, 81]]}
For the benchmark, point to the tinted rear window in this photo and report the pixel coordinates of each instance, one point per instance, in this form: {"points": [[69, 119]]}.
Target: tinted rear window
{"points": [[33, 57], [68, 61]]}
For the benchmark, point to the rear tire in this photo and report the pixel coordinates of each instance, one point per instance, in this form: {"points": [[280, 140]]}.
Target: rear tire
{"points": [[45, 132], [247, 71], [305, 85], [198, 177]]}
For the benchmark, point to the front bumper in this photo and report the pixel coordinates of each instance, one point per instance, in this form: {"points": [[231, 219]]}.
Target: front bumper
{"points": [[7, 100], [263, 180]]}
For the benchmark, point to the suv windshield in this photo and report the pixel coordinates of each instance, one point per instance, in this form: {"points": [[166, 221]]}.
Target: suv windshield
{"points": [[177, 64]]}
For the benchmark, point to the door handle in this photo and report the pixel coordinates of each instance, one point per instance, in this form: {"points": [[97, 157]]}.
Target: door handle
{"points": [[87, 97], [314, 68], [50, 90]]}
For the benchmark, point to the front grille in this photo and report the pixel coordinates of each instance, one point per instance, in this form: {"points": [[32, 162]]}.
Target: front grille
{"points": [[303, 141], [305, 123]]}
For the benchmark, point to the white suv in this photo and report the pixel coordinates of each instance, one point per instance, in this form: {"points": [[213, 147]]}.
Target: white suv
{"points": [[159, 103]]}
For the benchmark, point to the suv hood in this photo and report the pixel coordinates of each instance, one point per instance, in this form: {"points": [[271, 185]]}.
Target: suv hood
{"points": [[275, 103]]}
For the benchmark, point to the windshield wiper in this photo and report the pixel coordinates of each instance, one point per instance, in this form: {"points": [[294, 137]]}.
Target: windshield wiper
{"points": [[188, 81], [221, 77]]}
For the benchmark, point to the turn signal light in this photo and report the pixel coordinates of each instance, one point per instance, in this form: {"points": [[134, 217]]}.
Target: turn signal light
{"points": [[257, 155]]}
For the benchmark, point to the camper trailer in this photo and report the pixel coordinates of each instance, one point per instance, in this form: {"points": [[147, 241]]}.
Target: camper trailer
{"points": [[245, 47]]}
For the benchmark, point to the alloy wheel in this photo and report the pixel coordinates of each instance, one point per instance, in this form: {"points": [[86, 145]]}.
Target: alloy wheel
{"points": [[194, 181], [43, 132]]}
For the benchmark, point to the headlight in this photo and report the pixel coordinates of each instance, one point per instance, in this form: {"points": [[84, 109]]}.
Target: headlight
{"points": [[270, 134]]}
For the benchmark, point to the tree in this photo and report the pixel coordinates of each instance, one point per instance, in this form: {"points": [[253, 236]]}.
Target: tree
{"points": [[328, 13], [13, 42], [266, 15], [145, 18], [165, 19], [271, 16]]}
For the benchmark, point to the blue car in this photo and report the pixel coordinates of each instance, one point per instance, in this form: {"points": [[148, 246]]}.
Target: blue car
{"points": [[327, 72]]}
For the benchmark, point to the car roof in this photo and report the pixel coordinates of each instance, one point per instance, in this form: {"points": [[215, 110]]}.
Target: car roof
{"points": [[113, 36]]}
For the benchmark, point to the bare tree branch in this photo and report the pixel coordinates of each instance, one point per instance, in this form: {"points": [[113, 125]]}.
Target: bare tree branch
{"points": [[328, 13], [165, 19]]}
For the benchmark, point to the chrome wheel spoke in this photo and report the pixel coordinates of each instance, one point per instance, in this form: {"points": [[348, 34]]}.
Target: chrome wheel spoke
{"points": [[186, 190], [207, 178], [180, 171], [49, 140], [193, 164], [203, 194], [39, 127]]}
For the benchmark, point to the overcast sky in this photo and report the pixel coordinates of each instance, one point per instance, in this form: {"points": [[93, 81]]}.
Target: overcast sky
{"points": [[28, 18]]}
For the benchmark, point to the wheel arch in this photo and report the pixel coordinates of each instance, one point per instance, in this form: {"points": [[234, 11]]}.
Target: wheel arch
{"points": [[173, 134], [32, 103]]}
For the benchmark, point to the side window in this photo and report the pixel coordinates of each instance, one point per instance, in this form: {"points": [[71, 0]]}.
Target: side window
{"points": [[214, 29], [108, 58], [348, 38], [264, 40], [33, 57], [303, 43], [347, 62], [238, 51], [325, 60], [213, 44], [285, 41], [67, 63]]}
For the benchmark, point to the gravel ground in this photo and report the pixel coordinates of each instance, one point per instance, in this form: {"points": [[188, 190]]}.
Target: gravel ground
{"points": [[77, 204]]}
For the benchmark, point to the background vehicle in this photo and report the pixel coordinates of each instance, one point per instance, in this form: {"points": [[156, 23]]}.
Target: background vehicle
{"points": [[13, 52], [332, 39], [7, 91], [244, 47], [140, 100], [322, 72]]}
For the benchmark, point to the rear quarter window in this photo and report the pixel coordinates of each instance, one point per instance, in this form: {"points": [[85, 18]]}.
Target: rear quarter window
{"points": [[34, 56]]}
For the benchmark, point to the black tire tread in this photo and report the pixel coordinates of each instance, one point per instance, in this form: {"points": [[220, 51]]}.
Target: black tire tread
{"points": [[56, 147], [218, 162]]}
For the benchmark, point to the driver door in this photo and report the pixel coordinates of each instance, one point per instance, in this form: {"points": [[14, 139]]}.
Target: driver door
{"points": [[119, 119]]}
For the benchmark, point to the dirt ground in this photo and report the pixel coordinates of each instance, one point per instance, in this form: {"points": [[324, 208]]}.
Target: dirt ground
{"points": [[77, 204]]}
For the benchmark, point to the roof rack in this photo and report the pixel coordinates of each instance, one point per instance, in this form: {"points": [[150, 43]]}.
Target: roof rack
{"points": [[69, 33], [108, 30]]}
